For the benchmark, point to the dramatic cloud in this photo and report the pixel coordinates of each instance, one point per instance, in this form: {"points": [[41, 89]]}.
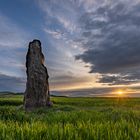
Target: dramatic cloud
{"points": [[104, 34], [120, 79], [111, 38]]}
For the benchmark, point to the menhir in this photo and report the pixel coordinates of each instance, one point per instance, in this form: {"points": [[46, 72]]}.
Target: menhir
{"points": [[37, 86]]}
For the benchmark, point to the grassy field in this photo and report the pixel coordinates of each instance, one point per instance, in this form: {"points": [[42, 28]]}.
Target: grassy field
{"points": [[71, 119]]}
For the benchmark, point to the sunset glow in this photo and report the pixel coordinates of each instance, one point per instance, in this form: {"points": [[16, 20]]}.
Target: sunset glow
{"points": [[120, 92]]}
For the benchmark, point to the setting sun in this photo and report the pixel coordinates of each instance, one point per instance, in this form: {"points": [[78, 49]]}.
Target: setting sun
{"points": [[120, 92]]}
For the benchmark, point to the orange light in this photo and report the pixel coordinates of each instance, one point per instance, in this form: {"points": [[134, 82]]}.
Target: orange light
{"points": [[120, 92]]}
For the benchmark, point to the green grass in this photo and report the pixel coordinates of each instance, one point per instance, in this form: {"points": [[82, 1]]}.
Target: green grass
{"points": [[71, 119]]}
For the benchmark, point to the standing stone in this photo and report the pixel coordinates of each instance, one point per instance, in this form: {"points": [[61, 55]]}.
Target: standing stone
{"points": [[37, 86]]}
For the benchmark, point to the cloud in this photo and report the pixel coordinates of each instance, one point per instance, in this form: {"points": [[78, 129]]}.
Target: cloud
{"points": [[62, 13], [11, 36], [110, 36], [11, 83], [119, 79], [100, 92], [55, 34], [13, 43], [69, 80]]}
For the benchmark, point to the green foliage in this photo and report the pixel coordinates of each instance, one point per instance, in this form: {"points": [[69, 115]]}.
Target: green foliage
{"points": [[71, 119]]}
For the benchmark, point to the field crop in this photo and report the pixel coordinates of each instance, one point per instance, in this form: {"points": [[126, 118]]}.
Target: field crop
{"points": [[71, 119]]}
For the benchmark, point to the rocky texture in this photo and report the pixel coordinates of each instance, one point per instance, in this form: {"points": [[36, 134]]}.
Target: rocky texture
{"points": [[37, 86]]}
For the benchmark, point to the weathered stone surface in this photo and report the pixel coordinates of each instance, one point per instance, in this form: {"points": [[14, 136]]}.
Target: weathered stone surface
{"points": [[37, 86]]}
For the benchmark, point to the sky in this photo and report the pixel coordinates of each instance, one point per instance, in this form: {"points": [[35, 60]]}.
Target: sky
{"points": [[90, 46]]}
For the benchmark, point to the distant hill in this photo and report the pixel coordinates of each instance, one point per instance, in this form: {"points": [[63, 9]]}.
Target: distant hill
{"points": [[53, 93], [10, 93]]}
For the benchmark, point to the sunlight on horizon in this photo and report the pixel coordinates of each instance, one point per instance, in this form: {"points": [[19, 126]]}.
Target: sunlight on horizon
{"points": [[120, 92]]}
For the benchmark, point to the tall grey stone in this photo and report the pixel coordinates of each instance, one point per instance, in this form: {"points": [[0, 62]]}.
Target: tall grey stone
{"points": [[37, 86]]}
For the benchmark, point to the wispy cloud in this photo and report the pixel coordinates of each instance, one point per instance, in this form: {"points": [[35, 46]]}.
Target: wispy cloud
{"points": [[55, 34], [13, 42], [11, 36], [62, 13]]}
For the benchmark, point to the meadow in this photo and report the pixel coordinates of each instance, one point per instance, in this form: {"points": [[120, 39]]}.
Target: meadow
{"points": [[71, 119]]}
